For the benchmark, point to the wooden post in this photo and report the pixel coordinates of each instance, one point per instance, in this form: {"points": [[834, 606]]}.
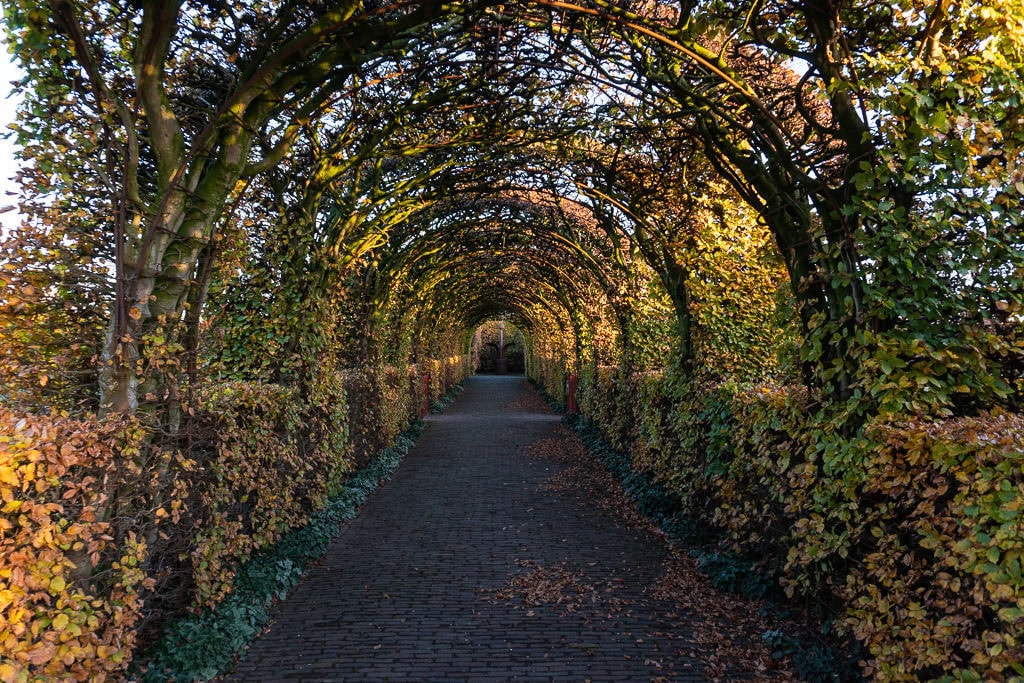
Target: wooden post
{"points": [[570, 396]]}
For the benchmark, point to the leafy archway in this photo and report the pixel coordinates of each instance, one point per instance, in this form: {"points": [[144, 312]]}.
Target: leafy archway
{"points": [[238, 203]]}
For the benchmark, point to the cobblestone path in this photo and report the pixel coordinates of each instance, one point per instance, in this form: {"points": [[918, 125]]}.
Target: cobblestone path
{"points": [[466, 567]]}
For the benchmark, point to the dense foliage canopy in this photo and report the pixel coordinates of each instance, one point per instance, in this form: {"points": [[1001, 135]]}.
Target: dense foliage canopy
{"points": [[367, 168]]}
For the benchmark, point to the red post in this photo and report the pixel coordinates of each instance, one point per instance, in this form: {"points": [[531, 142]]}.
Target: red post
{"points": [[425, 406], [570, 399]]}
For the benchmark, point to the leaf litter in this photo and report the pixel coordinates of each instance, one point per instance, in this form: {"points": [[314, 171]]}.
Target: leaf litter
{"points": [[549, 585], [529, 401], [584, 474], [724, 629]]}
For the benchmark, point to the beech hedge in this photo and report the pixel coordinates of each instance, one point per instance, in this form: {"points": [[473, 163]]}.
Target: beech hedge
{"points": [[909, 533], [107, 531]]}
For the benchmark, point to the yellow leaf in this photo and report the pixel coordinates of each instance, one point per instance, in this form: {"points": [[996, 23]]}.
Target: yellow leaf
{"points": [[9, 672], [58, 584], [9, 476], [60, 622]]}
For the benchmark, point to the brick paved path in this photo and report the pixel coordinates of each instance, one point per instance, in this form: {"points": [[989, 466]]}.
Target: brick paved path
{"points": [[412, 589]]}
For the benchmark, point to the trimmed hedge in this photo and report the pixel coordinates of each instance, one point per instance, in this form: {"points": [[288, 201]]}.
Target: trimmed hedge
{"points": [[70, 576], [909, 534], [109, 529], [203, 646]]}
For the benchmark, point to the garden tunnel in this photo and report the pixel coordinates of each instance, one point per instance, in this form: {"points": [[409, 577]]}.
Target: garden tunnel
{"points": [[779, 241], [350, 147]]}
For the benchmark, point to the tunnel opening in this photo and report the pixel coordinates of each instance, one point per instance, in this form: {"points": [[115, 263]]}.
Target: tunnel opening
{"points": [[499, 348]]}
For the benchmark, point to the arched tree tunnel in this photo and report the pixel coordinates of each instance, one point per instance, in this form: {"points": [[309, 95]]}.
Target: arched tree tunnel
{"points": [[778, 241]]}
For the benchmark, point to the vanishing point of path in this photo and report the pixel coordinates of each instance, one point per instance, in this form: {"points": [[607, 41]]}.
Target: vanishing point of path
{"points": [[469, 565]]}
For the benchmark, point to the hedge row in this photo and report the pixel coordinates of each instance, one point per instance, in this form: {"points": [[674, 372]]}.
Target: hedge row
{"points": [[446, 373], [69, 591], [107, 530], [909, 533], [203, 646], [548, 371]]}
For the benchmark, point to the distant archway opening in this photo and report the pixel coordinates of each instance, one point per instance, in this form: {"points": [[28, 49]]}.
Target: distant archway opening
{"points": [[498, 348]]}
